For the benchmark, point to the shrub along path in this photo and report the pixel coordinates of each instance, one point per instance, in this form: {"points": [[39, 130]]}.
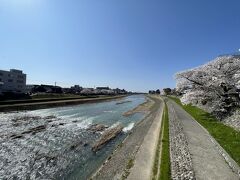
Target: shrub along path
{"points": [[206, 155]]}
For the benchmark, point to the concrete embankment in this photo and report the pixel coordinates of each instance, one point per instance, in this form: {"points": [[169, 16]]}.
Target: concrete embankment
{"points": [[119, 164], [48, 104], [143, 164]]}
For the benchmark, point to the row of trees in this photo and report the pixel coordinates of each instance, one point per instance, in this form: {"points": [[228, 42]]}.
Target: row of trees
{"points": [[165, 91], [155, 92], [215, 85]]}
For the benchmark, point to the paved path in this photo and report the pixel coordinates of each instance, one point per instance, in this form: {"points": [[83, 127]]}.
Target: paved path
{"points": [[143, 164], [207, 162]]}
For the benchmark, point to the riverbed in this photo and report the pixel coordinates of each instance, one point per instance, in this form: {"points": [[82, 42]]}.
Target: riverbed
{"points": [[56, 143]]}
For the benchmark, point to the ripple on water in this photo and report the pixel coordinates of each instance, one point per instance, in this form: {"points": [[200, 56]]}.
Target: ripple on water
{"points": [[128, 127]]}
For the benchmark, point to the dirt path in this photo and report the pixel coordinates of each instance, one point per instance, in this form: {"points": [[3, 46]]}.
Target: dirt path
{"points": [[205, 157]]}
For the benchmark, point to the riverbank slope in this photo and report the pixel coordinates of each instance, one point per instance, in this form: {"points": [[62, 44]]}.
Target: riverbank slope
{"points": [[144, 161], [119, 164]]}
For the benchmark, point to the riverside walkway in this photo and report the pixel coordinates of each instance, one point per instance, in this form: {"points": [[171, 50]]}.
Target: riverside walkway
{"points": [[194, 153]]}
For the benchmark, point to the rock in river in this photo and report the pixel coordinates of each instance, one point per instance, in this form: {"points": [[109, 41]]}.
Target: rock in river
{"points": [[97, 128], [108, 135]]}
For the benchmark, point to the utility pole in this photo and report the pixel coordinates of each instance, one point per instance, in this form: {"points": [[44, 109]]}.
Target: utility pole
{"points": [[55, 87]]}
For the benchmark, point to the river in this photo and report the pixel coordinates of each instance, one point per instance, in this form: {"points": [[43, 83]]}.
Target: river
{"points": [[56, 143]]}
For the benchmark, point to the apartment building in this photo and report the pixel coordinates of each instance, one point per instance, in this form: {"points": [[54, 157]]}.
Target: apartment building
{"points": [[12, 81]]}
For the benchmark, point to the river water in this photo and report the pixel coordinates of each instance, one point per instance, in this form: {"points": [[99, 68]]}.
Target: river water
{"points": [[56, 143]]}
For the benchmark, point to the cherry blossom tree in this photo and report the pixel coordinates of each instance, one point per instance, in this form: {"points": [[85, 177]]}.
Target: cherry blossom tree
{"points": [[214, 85]]}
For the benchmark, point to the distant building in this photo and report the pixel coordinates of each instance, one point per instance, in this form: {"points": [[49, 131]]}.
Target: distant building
{"points": [[76, 89], [103, 88], [67, 90], [117, 91], [29, 88], [12, 81], [46, 89]]}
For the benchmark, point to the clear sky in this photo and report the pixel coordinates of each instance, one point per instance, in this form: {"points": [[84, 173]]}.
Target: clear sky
{"points": [[133, 44]]}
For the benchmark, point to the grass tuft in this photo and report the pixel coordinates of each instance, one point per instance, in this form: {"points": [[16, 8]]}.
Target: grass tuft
{"points": [[158, 151], [162, 156], [126, 172], [165, 171], [130, 164]]}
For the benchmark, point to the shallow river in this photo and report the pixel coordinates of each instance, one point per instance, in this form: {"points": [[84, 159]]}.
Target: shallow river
{"points": [[56, 143]]}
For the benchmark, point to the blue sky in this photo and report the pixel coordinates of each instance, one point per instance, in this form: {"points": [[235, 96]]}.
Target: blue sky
{"points": [[133, 44]]}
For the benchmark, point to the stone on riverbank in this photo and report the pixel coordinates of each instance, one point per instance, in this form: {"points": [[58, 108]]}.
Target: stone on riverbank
{"points": [[181, 161], [108, 135], [97, 128]]}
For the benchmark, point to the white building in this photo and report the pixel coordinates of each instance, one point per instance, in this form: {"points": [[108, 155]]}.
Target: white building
{"points": [[12, 81]]}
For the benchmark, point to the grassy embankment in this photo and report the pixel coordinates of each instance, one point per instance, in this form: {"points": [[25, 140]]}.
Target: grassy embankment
{"points": [[54, 95], [41, 103], [226, 136], [162, 156], [46, 98]]}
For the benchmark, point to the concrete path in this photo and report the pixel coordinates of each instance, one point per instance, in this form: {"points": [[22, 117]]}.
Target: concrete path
{"points": [[143, 164], [208, 163]]}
